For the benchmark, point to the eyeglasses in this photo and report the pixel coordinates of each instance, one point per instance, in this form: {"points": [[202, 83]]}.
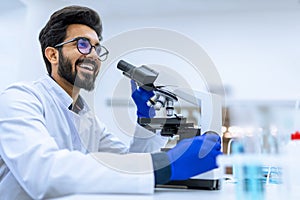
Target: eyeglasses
{"points": [[84, 46]]}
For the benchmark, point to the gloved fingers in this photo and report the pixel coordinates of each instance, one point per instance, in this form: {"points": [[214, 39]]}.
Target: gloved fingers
{"points": [[181, 148], [198, 145], [187, 160], [152, 112], [187, 142], [210, 144], [203, 143], [211, 135], [133, 86], [218, 146], [147, 113]]}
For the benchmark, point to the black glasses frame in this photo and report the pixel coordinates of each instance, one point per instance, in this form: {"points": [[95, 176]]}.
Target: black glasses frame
{"points": [[102, 56]]}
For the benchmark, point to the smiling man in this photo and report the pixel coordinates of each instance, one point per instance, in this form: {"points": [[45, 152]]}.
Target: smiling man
{"points": [[86, 69], [52, 144]]}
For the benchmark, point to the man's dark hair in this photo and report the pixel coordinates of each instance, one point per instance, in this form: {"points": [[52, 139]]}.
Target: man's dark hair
{"points": [[54, 31]]}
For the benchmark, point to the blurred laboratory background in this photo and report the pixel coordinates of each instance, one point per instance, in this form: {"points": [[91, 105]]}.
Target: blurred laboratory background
{"points": [[254, 45]]}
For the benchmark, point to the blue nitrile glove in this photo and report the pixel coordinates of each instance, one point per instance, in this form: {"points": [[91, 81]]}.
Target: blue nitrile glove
{"points": [[194, 156], [140, 97]]}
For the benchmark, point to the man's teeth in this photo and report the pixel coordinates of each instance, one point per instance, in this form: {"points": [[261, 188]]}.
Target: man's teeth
{"points": [[88, 67]]}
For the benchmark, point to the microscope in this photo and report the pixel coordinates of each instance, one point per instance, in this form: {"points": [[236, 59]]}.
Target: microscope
{"points": [[175, 125]]}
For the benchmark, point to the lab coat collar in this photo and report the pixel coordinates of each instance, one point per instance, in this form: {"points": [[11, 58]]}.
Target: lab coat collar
{"points": [[56, 90], [63, 96]]}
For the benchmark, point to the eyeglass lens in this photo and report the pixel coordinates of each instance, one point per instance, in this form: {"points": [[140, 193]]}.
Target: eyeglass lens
{"points": [[84, 46]]}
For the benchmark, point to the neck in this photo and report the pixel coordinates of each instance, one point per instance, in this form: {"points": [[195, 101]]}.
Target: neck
{"points": [[72, 90]]}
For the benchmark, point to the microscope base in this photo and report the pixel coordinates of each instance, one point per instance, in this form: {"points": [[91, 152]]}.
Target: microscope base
{"points": [[200, 184]]}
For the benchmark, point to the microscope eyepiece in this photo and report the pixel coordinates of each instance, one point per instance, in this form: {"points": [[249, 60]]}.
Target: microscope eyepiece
{"points": [[124, 66], [143, 75]]}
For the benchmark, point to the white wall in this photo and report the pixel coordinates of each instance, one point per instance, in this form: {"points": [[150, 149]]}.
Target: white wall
{"points": [[254, 46], [255, 53], [10, 51]]}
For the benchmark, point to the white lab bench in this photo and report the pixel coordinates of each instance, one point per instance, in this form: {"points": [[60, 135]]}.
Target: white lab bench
{"points": [[160, 193], [272, 192], [276, 190]]}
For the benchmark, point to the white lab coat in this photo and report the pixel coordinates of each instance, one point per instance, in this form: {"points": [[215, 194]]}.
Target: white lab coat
{"points": [[46, 150]]}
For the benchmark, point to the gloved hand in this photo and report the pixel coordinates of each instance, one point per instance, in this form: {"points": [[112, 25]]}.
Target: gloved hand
{"points": [[140, 97], [194, 156]]}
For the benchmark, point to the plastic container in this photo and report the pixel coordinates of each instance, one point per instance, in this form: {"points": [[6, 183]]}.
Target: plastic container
{"points": [[292, 168], [248, 174]]}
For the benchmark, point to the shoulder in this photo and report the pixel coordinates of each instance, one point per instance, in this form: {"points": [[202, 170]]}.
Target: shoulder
{"points": [[18, 90], [21, 96], [34, 89]]}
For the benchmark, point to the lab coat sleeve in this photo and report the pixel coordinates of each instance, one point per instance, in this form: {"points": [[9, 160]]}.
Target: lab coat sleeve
{"points": [[143, 141], [108, 141], [43, 170], [147, 141]]}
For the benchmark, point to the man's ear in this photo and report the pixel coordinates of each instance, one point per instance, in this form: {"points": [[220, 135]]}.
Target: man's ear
{"points": [[52, 55]]}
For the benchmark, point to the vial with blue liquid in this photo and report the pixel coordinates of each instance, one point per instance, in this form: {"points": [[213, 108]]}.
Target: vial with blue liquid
{"points": [[248, 175]]}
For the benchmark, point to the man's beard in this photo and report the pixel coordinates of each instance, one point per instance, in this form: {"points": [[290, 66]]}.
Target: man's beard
{"points": [[65, 71]]}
